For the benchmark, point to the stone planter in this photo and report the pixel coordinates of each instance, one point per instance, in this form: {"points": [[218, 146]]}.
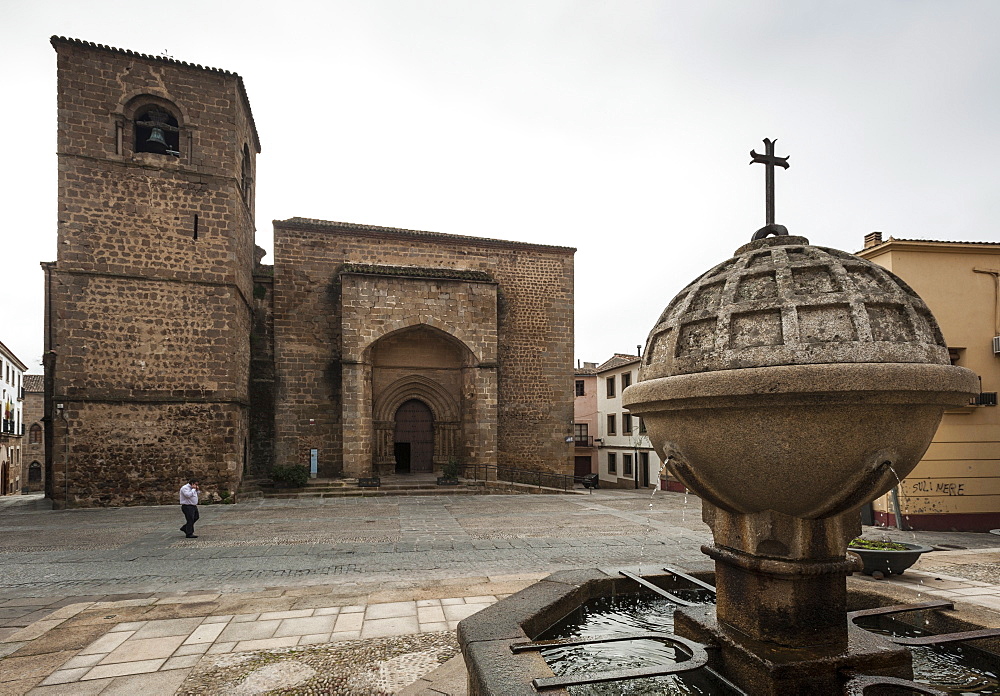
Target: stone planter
{"points": [[890, 562]]}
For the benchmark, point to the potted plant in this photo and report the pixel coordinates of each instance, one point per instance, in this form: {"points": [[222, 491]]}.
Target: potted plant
{"points": [[882, 558], [449, 473], [293, 476]]}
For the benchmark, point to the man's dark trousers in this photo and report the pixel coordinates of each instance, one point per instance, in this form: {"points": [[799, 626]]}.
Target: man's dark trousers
{"points": [[191, 515]]}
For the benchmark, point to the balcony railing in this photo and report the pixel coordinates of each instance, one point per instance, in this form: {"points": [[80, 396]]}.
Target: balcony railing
{"points": [[583, 440], [984, 399], [8, 426]]}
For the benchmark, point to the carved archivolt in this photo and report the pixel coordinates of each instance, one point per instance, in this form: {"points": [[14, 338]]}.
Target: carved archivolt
{"points": [[443, 406]]}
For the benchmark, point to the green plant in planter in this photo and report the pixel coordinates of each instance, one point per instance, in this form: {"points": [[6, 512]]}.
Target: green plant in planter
{"points": [[449, 473], [860, 543], [294, 476], [883, 558], [450, 470]]}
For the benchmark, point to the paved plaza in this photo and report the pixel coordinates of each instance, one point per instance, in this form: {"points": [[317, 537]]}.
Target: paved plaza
{"points": [[343, 595], [265, 543]]}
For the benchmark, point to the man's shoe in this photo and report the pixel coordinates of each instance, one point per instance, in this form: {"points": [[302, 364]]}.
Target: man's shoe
{"points": [[192, 536], [183, 530]]}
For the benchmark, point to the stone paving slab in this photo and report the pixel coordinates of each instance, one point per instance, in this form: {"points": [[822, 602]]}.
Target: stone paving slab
{"points": [[129, 650]]}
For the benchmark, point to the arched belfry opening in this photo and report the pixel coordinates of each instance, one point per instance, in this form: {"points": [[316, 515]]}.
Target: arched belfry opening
{"points": [[420, 400]]}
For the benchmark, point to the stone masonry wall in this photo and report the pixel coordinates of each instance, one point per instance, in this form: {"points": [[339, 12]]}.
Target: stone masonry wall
{"points": [[150, 299], [141, 453], [534, 375], [33, 410], [373, 307], [262, 375]]}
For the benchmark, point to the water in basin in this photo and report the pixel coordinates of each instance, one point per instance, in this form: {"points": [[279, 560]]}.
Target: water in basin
{"points": [[959, 669], [627, 614], [956, 669]]}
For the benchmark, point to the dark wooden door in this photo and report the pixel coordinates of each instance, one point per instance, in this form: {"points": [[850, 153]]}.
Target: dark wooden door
{"points": [[581, 466], [415, 425], [644, 469]]}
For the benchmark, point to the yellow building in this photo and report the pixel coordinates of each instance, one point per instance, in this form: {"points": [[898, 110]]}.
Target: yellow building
{"points": [[956, 486]]}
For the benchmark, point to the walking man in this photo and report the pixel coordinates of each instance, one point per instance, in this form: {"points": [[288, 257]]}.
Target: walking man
{"points": [[189, 505]]}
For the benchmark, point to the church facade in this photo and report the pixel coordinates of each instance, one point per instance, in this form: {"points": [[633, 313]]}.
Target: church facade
{"points": [[172, 351]]}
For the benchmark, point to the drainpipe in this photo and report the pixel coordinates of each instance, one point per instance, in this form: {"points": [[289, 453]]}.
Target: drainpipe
{"points": [[62, 416], [996, 296]]}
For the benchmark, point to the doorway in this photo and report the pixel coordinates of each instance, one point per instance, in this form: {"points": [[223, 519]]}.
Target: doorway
{"points": [[402, 454], [415, 429], [644, 469]]}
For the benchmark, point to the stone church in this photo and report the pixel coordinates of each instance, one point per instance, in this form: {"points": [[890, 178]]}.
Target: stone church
{"points": [[171, 350]]}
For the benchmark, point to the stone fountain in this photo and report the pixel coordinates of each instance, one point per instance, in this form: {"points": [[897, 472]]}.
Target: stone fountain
{"points": [[787, 386]]}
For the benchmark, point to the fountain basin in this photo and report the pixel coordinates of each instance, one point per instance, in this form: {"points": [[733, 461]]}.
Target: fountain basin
{"points": [[485, 637], [758, 439]]}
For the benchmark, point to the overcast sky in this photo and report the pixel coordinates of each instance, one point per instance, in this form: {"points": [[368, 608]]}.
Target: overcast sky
{"points": [[620, 128]]}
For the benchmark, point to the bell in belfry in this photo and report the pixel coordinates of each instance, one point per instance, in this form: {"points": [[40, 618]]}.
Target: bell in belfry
{"points": [[156, 142]]}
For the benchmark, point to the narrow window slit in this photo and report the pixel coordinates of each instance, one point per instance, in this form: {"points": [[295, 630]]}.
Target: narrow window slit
{"points": [[196, 227]]}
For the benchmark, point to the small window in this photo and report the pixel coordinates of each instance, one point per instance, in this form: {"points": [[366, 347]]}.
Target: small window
{"points": [[627, 465], [579, 387], [611, 424], [626, 424], [611, 387], [35, 434], [626, 380], [34, 472], [156, 131], [246, 177], [612, 463], [642, 427]]}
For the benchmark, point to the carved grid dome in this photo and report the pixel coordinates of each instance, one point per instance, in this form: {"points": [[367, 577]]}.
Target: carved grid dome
{"points": [[780, 301]]}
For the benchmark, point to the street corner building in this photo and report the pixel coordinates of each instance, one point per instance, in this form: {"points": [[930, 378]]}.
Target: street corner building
{"points": [[172, 351]]}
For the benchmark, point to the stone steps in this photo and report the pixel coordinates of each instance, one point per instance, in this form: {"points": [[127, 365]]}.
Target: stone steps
{"points": [[375, 492], [333, 488]]}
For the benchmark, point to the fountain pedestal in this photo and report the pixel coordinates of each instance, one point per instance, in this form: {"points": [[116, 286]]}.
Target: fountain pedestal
{"points": [[780, 621]]}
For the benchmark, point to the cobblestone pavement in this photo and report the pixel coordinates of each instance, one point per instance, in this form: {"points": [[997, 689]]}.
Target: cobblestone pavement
{"points": [[301, 542]]}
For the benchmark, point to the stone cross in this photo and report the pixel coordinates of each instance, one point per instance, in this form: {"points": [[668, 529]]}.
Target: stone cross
{"points": [[770, 162]]}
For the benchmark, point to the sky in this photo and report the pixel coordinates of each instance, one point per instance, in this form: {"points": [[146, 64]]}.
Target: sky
{"points": [[622, 128]]}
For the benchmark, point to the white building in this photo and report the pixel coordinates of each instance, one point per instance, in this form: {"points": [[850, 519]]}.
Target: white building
{"points": [[12, 425], [625, 456]]}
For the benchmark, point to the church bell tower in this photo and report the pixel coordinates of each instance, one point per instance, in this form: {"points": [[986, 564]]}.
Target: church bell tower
{"points": [[149, 302]]}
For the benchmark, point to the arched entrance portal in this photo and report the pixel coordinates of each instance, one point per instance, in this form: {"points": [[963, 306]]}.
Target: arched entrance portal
{"points": [[414, 437]]}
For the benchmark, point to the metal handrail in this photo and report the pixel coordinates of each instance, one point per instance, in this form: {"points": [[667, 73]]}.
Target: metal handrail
{"points": [[509, 474]]}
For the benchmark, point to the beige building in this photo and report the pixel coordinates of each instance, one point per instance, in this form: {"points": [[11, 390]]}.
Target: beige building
{"points": [[12, 424], [585, 419], [626, 458], [956, 486]]}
